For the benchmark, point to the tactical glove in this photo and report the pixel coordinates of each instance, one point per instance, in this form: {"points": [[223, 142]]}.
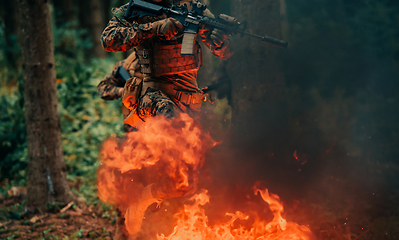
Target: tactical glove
{"points": [[166, 28], [218, 37]]}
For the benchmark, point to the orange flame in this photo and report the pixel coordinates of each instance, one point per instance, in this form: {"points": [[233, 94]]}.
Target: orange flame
{"points": [[175, 149], [192, 224], [161, 147]]}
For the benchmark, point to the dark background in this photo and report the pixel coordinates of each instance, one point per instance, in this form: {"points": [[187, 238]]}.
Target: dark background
{"points": [[330, 151]]}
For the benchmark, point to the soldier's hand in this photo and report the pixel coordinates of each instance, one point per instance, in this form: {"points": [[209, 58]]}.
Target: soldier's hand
{"points": [[218, 37], [167, 28]]}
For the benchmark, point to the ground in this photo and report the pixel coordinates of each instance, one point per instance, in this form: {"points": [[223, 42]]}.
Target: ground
{"points": [[79, 222], [91, 222]]}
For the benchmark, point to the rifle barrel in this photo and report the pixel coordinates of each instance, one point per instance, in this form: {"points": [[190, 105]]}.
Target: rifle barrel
{"points": [[271, 40]]}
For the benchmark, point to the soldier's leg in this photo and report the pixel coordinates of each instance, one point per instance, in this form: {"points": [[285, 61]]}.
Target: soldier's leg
{"points": [[152, 103], [156, 103], [161, 189], [127, 193]]}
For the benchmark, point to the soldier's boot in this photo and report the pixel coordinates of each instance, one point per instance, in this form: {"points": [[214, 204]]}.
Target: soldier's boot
{"points": [[135, 213]]}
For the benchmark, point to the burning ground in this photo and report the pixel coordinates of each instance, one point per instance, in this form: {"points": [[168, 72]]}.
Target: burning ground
{"points": [[174, 150], [335, 194]]}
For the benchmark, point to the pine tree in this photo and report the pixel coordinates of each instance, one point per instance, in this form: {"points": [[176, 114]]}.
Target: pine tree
{"points": [[47, 181]]}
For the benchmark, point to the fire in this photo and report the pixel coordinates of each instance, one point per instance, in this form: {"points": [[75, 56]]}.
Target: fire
{"points": [[192, 224], [173, 150], [161, 148]]}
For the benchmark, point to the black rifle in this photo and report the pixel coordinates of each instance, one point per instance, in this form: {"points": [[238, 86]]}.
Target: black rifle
{"points": [[192, 20]]}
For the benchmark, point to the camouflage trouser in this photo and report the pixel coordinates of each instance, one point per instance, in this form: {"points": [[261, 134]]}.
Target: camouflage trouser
{"points": [[152, 103], [155, 103]]}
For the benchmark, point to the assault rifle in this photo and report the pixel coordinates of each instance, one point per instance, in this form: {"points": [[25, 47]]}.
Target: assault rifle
{"points": [[192, 20]]}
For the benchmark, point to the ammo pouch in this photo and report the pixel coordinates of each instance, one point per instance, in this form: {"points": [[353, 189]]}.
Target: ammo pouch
{"points": [[191, 99], [132, 91], [133, 85]]}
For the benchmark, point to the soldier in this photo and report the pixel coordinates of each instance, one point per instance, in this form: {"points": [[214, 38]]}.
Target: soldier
{"points": [[112, 86], [162, 82]]}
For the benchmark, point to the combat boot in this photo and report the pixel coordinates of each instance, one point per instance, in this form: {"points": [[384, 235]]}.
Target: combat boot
{"points": [[135, 213]]}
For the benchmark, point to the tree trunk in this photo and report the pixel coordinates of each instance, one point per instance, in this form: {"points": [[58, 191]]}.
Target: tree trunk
{"points": [[83, 15], [69, 7], [96, 27], [259, 112], [91, 19], [47, 171], [258, 104]]}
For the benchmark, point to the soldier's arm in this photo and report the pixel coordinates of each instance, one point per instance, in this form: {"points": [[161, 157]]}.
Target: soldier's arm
{"points": [[224, 51], [111, 87], [121, 35]]}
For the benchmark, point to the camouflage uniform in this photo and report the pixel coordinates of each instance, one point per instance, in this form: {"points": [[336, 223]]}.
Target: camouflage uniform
{"points": [[111, 87], [121, 35], [152, 103], [156, 96]]}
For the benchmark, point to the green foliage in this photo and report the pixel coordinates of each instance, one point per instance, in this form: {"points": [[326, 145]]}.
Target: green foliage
{"points": [[78, 234], [88, 189], [70, 43], [86, 120], [11, 237], [13, 146], [14, 211], [54, 207], [10, 55]]}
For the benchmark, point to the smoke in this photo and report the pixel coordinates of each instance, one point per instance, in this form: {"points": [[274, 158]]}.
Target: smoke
{"points": [[344, 173]]}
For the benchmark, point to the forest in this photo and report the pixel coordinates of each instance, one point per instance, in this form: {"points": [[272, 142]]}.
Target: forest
{"points": [[315, 124]]}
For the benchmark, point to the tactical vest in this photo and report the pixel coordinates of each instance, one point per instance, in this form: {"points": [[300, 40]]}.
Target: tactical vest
{"points": [[155, 60], [162, 58]]}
